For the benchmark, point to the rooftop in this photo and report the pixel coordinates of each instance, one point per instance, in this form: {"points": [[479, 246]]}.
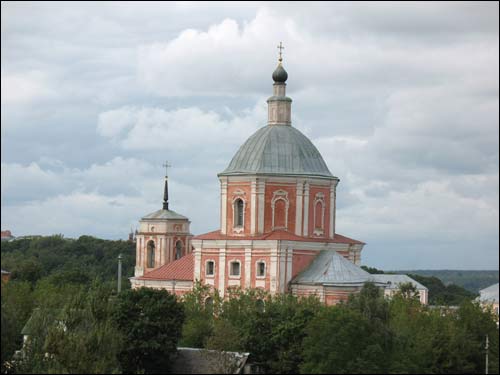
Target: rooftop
{"points": [[278, 150], [180, 269], [277, 235]]}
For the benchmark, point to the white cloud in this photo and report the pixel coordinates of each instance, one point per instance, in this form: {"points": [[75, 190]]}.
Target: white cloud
{"points": [[401, 100], [180, 129], [32, 85]]}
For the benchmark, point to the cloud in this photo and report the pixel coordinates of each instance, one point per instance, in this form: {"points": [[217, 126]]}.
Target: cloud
{"points": [[29, 86], [400, 99], [181, 129]]}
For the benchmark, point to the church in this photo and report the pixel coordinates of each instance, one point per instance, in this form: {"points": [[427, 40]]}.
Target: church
{"points": [[277, 224]]}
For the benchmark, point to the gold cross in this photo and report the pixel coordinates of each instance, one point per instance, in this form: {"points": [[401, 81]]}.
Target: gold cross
{"points": [[166, 165], [280, 47]]}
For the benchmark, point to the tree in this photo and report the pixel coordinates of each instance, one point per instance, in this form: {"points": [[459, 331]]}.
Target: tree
{"points": [[340, 340], [78, 338], [151, 322], [199, 322]]}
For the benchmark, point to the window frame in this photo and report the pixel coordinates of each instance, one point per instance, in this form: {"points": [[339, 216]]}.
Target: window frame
{"points": [[231, 275], [260, 261], [206, 268]]}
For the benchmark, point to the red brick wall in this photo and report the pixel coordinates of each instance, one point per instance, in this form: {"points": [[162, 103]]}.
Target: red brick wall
{"points": [[292, 200]]}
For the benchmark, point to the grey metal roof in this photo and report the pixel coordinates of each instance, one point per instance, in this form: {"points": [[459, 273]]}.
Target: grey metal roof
{"points": [[329, 267], [278, 149], [393, 281], [489, 294], [164, 214]]}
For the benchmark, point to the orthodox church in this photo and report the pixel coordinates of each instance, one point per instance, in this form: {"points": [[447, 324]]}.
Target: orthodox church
{"points": [[277, 224]]}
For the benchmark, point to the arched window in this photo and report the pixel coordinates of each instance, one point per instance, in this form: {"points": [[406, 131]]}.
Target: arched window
{"points": [[318, 219], [151, 254], [238, 212], [261, 269], [178, 250], [280, 213]]}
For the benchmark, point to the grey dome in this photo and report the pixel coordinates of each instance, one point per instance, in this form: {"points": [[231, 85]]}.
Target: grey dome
{"points": [[278, 149], [280, 74]]}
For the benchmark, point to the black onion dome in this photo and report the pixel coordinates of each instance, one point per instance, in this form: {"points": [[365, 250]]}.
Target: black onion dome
{"points": [[280, 75]]}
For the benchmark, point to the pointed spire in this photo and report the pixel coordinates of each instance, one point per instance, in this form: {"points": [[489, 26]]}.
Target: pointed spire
{"points": [[165, 193]]}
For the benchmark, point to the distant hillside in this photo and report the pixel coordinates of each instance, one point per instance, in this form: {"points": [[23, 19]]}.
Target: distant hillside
{"points": [[470, 280]]}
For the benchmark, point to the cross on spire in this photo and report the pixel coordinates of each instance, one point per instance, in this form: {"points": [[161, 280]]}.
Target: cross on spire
{"points": [[280, 47], [166, 165]]}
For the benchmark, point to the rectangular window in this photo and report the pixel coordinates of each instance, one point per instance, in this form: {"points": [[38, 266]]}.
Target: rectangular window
{"points": [[235, 269], [210, 268], [261, 269]]}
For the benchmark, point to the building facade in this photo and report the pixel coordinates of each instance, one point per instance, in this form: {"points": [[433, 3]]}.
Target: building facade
{"points": [[277, 221]]}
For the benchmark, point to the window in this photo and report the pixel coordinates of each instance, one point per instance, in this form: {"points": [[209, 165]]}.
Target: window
{"points": [[261, 269], [178, 250], [210, 268], [238, 212], [151, 254], [234, 269]]}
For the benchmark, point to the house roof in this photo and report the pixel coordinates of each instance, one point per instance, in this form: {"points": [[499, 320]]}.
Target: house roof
{"points": [[164, 214], [489, 294], [276, 235], [329, 267], [203, 361], [394, 281], [278, 150], [180, 269]]}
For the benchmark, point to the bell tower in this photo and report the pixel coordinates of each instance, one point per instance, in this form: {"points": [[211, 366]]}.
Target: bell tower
{"points": [[163, 237]]}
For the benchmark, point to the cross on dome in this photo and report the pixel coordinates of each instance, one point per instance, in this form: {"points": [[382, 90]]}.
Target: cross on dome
{"points": [[280, 47], [166, 165]]}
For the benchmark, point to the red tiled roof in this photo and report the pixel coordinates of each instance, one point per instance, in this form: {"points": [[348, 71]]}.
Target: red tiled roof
{"points": [[276, 235], [180, 269]]}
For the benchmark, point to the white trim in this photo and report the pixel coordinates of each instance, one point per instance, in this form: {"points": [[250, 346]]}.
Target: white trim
{"points": [[222, 272], [273, 271], [305, 230], [253, 206], [223, 207], [197, 263], [248, 267], [333, 198], [298, 208], [261, 190]]}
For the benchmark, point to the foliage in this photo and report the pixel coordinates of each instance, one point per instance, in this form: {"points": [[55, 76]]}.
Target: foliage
{"points": [[341, 340], [151, 323], [78, 338], [473, 281], [439, 293], [271, 328], [67, 261]]}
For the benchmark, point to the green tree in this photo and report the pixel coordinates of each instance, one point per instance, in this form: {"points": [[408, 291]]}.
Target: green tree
{"points": [[199, 306], [340, 340], [151, 322], [77, 338]]}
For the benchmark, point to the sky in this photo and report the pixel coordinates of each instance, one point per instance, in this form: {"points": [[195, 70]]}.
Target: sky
{"points": [[401, 99]]}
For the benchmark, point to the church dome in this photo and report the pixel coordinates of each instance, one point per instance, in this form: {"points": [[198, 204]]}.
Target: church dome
{"points": [[280, 75], [278, 150]]}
